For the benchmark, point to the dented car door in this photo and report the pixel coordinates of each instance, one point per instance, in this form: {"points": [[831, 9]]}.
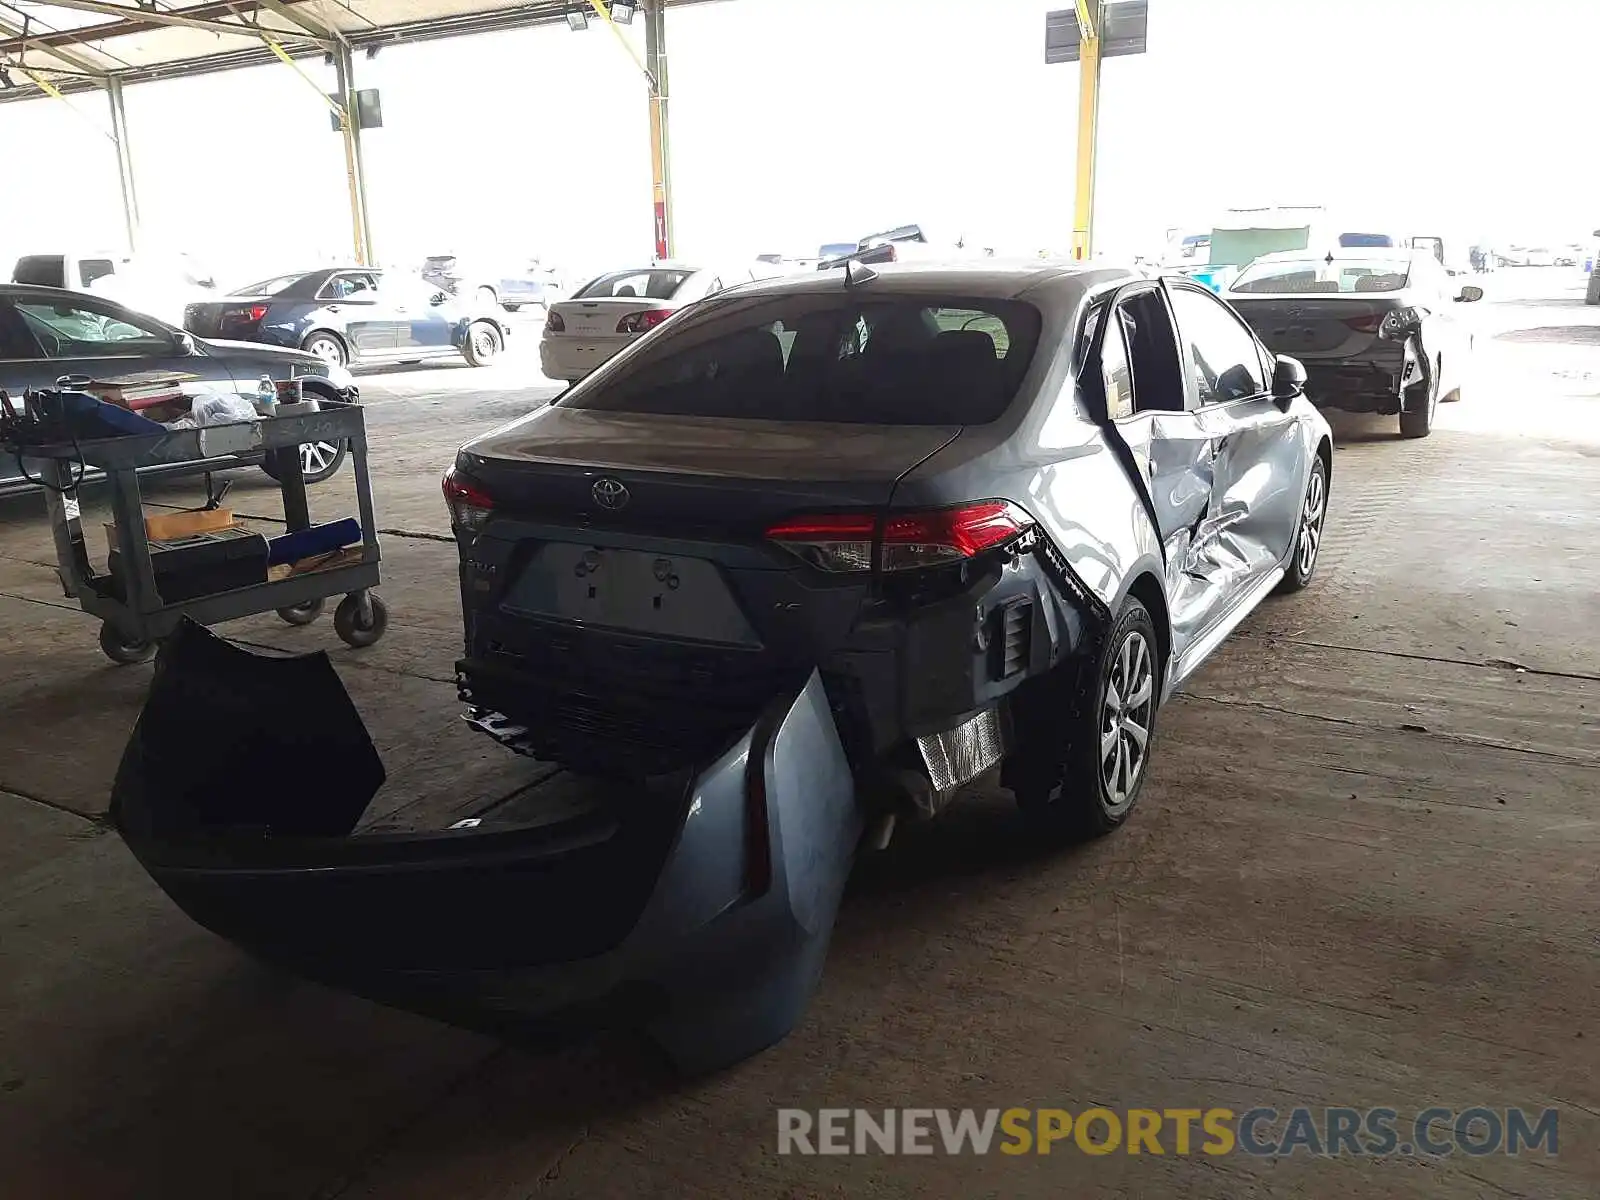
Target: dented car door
{"points": [[1169, 446], [1260, 451]]}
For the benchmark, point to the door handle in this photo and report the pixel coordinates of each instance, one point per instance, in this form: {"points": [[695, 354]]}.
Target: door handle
{"points": [[333, 308]]}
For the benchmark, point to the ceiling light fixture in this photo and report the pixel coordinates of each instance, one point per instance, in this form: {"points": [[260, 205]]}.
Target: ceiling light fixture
{"points": [[622, 11], [577, 19]]}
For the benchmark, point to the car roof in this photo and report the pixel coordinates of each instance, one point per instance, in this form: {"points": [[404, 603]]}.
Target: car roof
{"points": [[34, 291], [1342, 254], [997, 278]]}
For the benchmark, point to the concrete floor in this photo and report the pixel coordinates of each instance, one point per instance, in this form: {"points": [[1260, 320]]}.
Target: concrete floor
{"points": [[1363, 873]]}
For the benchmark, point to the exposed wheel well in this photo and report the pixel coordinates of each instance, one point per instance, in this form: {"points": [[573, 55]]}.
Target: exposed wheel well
{"points": [[1147, 589], [321, 387], [1325, 453]]}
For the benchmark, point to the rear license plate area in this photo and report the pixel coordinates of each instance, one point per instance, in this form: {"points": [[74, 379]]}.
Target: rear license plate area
{"points": [[638, 591]]}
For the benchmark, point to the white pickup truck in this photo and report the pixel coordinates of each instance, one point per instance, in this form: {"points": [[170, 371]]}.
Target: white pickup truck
{"points": [[157, 285]]}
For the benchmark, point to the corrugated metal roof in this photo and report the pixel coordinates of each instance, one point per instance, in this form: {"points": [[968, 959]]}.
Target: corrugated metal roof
{"points": [[74, 43]]}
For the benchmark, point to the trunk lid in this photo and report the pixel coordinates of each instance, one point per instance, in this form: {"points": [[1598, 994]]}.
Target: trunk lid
{"points": [[599, 317], [1314, 325], [703, 476], [236, 318]]}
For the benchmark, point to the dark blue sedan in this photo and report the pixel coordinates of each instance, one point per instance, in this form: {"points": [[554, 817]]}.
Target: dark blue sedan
{"points": [[352, 316]]}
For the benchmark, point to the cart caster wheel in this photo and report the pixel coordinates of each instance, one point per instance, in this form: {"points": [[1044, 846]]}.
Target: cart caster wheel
{"points": [[302, 614], [348, 625], [121, 651]]}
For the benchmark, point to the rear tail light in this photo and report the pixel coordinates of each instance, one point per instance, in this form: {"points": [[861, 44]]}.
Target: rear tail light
{"points": [[250, 314], [1370, 323], [855, 542], [555, 323], [639, 322], [470, 505]]}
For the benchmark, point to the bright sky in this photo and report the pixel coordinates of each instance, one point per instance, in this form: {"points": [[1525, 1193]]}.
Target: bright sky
{"points": [[796, 122]]}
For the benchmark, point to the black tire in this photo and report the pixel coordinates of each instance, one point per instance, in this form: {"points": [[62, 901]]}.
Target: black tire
{"points": [[326, 347], [1307, 551], [348, 625], [483, 344], [1072, 798], [122, 651], [318, 461], [1417, 408], [302, 614], [511, 307]]}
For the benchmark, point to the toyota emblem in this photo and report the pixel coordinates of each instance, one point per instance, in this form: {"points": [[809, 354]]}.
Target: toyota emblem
{"points": [[611, 494]]}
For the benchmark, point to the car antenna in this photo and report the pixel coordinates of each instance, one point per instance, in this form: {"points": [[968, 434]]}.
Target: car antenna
{"points": [[856, 274]]}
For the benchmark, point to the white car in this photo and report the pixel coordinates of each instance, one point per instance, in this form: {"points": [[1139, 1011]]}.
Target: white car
{"points": [[603, 316]]}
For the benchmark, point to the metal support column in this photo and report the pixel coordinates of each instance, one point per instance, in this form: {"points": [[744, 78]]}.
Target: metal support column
{"points": [[655, 53], [355, 170], [1090, 23], [119, 135]]}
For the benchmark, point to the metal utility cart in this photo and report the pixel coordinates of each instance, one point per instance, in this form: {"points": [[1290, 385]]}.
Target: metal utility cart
{"points": [[133, 614]]}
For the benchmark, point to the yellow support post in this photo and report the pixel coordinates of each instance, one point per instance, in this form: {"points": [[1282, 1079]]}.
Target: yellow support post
{"points": [[1088, 126]]}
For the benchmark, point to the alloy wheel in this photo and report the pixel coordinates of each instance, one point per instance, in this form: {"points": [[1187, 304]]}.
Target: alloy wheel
{"points": [[1125, 713], [316, 457], [327, 350], [1311, 523]]}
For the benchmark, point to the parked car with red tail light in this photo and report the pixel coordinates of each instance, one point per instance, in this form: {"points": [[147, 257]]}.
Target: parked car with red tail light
{"points": [[607, 313], [350, 316]]}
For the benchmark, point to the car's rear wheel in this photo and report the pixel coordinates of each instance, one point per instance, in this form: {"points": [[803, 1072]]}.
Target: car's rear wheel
{"points": [[1109, 733], [1417, 408], [483, 344], [1308, 537], [511, 307], [326, 347]]}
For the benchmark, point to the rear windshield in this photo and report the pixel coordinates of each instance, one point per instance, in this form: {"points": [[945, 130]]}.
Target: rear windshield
{"points": [[827, 357], [1318, 275], [653, 285], [271, 287], [41, 270]]}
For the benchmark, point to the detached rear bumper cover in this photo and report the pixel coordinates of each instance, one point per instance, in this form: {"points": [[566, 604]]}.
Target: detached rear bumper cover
{"points": [[703, 913]]}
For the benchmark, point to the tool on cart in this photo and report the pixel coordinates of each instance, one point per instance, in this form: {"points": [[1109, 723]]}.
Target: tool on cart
{"points": [[200, 564]]}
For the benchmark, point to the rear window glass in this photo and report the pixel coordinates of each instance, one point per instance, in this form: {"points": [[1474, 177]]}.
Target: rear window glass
{"points": [[271, 287], [1318, 275], [654, 285], [827, 357]]}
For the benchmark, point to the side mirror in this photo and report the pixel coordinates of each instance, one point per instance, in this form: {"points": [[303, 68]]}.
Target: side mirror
{"points": [[1470, 294], [1288, 380], [437, 299], [184, 342]]}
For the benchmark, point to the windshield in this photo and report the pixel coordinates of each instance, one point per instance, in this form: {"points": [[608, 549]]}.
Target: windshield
{"points": [[1236, 247], [1320, 275], [827, 357], [271, 287], [651, 284]]}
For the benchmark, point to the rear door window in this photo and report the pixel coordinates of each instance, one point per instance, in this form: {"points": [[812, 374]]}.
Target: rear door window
{"points": [[827, 357]]}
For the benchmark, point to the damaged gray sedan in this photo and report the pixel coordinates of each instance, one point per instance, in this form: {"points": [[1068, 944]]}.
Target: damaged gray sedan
{"points": [[1000, 513], [801, 563]]}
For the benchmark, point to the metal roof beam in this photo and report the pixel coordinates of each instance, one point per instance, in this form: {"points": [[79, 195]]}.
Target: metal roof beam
{"points": [[326, 34], [76, 61], [137, 20]]}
